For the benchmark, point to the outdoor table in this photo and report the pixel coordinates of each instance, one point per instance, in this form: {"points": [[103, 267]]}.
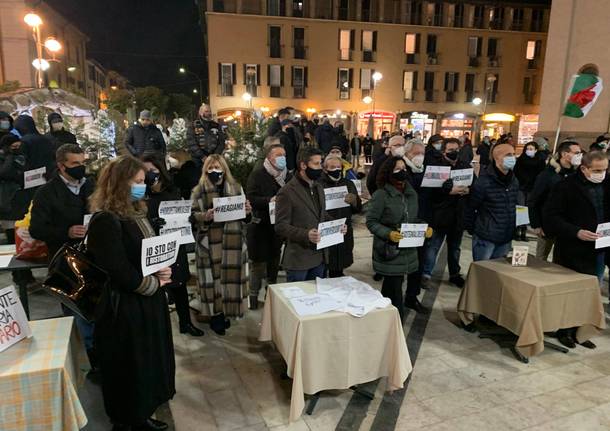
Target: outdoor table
{"points": [[38, 379], [334, 350], [531, 300], [18, 264]]}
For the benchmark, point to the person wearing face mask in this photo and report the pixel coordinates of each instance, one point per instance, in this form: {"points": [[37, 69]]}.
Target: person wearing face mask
{"points": [[577, 205], [483, 151], [6, 124], [144, 138], [159, 188], [288, 140], [396, 148], [529, 165], [564, 163], [14, 201], [325, 134], [601, 143], [392, 204], [447, 205], [341, 256], [58, 135], [434, 153], [346, 167], [300, 208], [491, 210], [220, 249], [264, 245]]}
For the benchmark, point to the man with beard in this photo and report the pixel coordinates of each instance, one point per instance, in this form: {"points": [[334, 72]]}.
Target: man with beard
{"points": [[205, 136]]}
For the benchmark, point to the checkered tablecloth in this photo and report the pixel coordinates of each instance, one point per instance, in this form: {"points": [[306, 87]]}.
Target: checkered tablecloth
{"points": [[38, 379]]}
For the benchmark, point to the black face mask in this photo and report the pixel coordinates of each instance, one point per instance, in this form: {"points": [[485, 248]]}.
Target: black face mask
{"points": [[77, 172], [400, 175], [215, 177], [313, 174], [334, 174], [452, 155], [150, 178]]}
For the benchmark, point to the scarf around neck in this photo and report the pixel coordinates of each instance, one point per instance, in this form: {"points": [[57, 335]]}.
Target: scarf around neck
{"points": [[278, 176], [412, 166]]}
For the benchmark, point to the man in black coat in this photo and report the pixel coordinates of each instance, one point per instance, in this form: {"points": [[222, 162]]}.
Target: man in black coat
{"points": [[58, 135], [577, 205], [287, 138], [396, 148], [483, 151], [38, 150], [205, 137], [561, 165], [144, 138], [264, 245], [325, 136], [6, 123], [275, 126], [447, 217]]}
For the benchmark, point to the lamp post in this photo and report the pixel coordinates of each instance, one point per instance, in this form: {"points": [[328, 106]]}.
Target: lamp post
{"points": [[377, 76], [183, 71], [35, 22], [477, 101]]}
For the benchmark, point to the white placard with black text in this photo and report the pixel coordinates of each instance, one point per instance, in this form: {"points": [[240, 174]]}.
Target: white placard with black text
{"points": [[230, 208], [413, 234], [603, 230], [34, 178], [335, 197], [159, 252], [462, 177], [435, 176], [330, 233]]}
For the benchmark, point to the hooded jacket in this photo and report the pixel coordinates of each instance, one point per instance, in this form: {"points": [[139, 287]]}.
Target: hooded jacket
{"points": [[59, 137], [6, 116], [38, 150]]}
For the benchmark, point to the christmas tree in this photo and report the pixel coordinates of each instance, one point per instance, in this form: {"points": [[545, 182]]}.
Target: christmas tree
{"points": [[99, 141], [177, 135]]}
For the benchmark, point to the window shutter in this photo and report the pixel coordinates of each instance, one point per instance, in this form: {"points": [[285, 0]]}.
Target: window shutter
{"points": [[305, 76], [292, 76], [479, 46], [339, 39], [258, 74], [233, 70], [351, 78], [375, 41], [220, 73], [268, 75], [245, 73], [417, 42], [281, 76], [338, 73], [456, 82], [360, 79], [446, 81], [352, 39], [362, 40], [415, 80]]}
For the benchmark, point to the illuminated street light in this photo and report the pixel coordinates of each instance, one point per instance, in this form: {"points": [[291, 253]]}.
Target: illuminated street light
{"points": [[238, 113], [52, 44], [32, 20], [182, 70], [367, 100], [247, 97], [195, 91], [377, 76], [477, 101], [41, 64], [72, 69], [338, 112]]}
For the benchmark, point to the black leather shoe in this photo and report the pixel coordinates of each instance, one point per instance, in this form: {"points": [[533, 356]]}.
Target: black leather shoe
{"points": [[414, 304], [191, 330], [151, 425], [217, 324], [567, 341], [457, 281], [588, 344]]}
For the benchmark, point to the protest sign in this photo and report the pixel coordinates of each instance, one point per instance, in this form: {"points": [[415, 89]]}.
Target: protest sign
{"points": [[520, 255], [358, 184], [272, 212], [159, 252], [229, 209], [87, 219], [335, 197], [413, 234], [462, 177], [34, 178], [603, 230], [330, 233], [523, 216], [178, 224], [180, 208], [435, 176], [14, 325]]}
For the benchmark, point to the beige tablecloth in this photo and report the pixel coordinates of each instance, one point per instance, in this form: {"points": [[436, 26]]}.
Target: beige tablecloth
{"points": [[528, 301], [38, 379], [334, 350]]}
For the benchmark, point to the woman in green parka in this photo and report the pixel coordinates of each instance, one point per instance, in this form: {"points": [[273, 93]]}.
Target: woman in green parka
{"points": [[393, 203]]}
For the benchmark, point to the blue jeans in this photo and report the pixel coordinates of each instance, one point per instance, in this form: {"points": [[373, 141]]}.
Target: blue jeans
{"points": [[293, 275], [454, 242], [486, 250]]}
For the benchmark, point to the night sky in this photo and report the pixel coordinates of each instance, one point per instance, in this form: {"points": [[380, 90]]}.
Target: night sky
{"points": [[144, 40]]}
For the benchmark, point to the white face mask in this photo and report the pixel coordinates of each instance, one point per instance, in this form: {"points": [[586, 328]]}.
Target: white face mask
{"points": [[398, 151], [418, 160], [576, 159], [597, 178], [438, 146], [530, 153]]}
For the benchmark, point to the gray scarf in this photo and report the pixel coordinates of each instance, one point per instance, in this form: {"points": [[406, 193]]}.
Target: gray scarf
{"points": [[414, 168], [278, 176]]}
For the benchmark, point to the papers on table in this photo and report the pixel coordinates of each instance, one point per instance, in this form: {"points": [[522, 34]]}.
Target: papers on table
{"points": [[435, 176], [230, 208], [603, 230], [462, 177], [159, 252], [523, 216], [330, 233], [310, 305], [34, 178], [5, 260], [414, 234], [356, 298], [358, 184], [14, 325], [176, 215], [272, 212], [293, 292], [335, 197]]}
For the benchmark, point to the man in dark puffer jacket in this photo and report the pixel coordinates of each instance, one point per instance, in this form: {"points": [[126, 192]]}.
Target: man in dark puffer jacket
{"points": [[490, 216]]}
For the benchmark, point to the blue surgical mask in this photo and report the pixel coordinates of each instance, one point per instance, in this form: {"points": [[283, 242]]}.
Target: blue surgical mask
{"points": [[5, 124], [509, 162], [280, 162], [137, 191]]}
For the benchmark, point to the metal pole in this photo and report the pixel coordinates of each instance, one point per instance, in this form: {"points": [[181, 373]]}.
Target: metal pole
{"points": [[38, 42]]}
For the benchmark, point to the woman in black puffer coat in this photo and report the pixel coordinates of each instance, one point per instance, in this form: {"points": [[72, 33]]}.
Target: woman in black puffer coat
{"points": [[528, 167]]}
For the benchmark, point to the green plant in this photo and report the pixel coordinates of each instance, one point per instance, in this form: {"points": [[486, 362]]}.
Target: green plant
{"points": [[9, 86]]}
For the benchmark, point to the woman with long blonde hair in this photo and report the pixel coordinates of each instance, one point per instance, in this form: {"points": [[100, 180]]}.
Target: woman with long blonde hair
{"points": [[133, 334], [220, 247]]}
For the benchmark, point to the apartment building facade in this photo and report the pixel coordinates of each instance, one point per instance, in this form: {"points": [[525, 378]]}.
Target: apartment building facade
{"points": [[435, 59]]}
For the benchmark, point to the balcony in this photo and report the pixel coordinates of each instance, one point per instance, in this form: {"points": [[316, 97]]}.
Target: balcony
{"points": [[451, 96], [410, 95], [299, 52], [275, 91], [252, 89], [493, 61], [473, 62], [432, 59], [528, 98], [412, 59], [368, 56], [532, 64], [226, 89], [431, 95], [298, 92]]}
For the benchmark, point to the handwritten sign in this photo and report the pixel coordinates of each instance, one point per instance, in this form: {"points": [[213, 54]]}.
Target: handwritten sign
{"points": [[317, 303], [520, 255], [230, 208], [358, 184], [603, 230], [462, 177], [414, 235], [176, 215], [335, 197], [159, 252], [272, 212], [14, 325], [175, 208], [330, 233], [435, 176], [523, 216], [34, 178]]}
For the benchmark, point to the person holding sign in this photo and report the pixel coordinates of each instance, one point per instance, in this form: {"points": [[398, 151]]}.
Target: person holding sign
{"points": [[221, 252], [529, 165], [447, 205], [393, 204], [264, 245], [133, 333], [38, 150], [159, 188], [341, 256], [14, 200]]}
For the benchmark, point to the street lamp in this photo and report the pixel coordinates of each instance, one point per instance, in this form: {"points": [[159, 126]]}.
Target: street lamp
{"points": [[41, 64], [35, 22], [377, 76], [195, 91], [52, 44], [367, 100], [183, 71], [477, 101]]}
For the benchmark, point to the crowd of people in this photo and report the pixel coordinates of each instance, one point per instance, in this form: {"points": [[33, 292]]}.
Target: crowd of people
{"points": [[131, 339]]}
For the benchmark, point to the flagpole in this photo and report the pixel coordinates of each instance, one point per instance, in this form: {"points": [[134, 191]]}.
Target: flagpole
{"points": [[557, 134]]}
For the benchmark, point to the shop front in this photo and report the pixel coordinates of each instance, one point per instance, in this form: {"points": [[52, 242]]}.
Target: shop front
{"points": [[528, 126], [376, 122], [423, 122], [454, 125], [496, 124]]}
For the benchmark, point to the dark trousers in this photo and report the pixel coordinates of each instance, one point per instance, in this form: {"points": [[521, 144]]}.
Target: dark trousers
{"points": [[181, 300], [293, 275], [335, 273], [392, 288]]}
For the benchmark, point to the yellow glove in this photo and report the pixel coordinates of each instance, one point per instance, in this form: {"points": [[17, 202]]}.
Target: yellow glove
{"points": [[395, 236], [429, 232]]}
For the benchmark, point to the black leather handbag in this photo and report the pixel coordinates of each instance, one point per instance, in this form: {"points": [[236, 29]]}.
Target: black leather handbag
{"points": [[76, 280]]}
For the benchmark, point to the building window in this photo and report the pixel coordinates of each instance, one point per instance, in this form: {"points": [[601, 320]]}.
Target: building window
{"points": [[474, 50], [438, 14], [532, 53], [415, 12], [492, 52], [458, 15], [298, 40], [297, 8], [276, 7], [431, 49], [517, 24], [537, 20], [252, 78], [478, 18], [369, 45], [299, 81], [344, 82], [366, 81], [451, 85], [496, 18], [344, 10], [412, 47], [409, 85], [226, 78], [493, 94], [275, 79], [346, 44], [366, 10], [218, 6], [275, 39], [429, 86], [528, 90], [469, 87]]}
